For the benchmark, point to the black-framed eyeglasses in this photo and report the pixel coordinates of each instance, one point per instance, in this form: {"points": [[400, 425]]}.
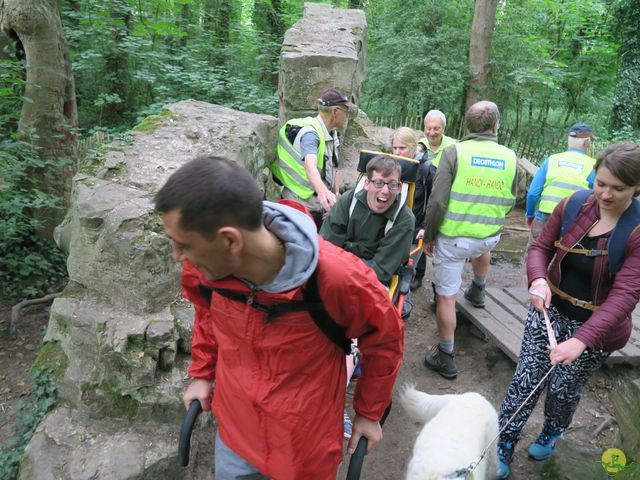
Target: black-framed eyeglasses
{"points": [[393, 185]]}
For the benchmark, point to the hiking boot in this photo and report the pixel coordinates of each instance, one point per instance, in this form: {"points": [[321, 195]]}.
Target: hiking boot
{"points": [[348, 426], [505, 454], [544, 445], [442, 362], [475, 295], [416, 283]]}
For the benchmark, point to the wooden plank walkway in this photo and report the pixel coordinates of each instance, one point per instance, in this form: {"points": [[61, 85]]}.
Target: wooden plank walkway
{"points": [[502, 323]]}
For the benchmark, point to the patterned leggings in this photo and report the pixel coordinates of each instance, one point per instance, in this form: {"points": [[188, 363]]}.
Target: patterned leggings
{"points": [[564, 385]]}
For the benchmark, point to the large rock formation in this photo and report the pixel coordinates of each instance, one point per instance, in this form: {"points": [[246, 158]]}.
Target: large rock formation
{"points": [[326, 48], [119, 336]]}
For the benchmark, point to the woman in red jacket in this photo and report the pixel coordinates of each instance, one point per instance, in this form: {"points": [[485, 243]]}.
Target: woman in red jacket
{"points": [[582, 269]]}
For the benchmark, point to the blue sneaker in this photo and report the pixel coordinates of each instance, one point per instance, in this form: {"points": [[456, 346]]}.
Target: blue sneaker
{"points": [[505, 453], [348, 426], [544, 445]]}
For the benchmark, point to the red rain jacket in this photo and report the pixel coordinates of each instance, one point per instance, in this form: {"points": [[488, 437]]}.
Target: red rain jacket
{"points": [[280, 386]]}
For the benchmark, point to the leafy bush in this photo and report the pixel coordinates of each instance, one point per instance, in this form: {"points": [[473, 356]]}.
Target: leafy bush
{"points": [[30, 412], [11, 88], [29, 266]]}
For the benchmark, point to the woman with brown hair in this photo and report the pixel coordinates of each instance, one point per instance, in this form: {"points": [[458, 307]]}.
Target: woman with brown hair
{"points": [[583, 273]]}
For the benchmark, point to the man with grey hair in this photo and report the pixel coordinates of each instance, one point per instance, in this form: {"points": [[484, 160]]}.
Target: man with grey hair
{"points": [[307, 160], [434, 141], [473, 191], [560, 175], [432, 146]]}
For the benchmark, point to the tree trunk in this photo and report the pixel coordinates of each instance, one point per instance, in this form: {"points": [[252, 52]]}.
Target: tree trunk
{"points": [[484, 18], [49, 118], [625, 114], [117, 64]]}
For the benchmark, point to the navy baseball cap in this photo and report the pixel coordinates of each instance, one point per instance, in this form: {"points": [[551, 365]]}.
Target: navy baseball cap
{"points": [[582, 130], [332, 98]]}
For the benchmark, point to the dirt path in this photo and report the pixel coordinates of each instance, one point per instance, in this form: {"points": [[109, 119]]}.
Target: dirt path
{"points": [[16, 356]]}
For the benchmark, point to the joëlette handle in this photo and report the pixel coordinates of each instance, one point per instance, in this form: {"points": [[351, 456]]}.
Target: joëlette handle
{"points": [[184, 444]]}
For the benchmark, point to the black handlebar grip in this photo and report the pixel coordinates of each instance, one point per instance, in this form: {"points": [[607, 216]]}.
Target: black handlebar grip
{"points": [[357, 459], [184, 444]]}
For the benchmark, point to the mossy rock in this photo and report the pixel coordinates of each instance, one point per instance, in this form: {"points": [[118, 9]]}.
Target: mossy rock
{"points": [[51, 356], [153, 122], [106, 400], [94, 160]]}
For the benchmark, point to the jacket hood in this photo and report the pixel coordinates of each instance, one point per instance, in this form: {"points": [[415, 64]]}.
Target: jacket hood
{"points": [[298, 233]]}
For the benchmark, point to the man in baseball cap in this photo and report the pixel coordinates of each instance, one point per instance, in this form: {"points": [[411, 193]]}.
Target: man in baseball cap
{"points": [[332, 98], [582, 130], [307, 161], [560, 175]]}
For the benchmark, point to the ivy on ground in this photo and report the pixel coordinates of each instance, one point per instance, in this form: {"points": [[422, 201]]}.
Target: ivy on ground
{"points": [[30, 412], [30, 266]]}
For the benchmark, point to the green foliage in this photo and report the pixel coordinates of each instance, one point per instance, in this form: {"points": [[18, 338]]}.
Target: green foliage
{"points": [[552, 63], [29, 265], [30, 412], [417, 56], [11, 88], [131, 57]]}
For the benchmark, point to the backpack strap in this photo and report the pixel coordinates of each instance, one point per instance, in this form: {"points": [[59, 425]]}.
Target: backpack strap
{"points": [[580, 251], [616, 245], [572, 207], [311, 303], [328, 326], [627, 224]]}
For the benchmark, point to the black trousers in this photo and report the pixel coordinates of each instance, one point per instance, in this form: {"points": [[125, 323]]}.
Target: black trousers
{"points": [[564, 385]]}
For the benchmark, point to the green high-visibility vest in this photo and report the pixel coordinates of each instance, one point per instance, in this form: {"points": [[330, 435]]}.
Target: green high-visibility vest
{"points": [[446, 141], [567, 172], [289, 166], [481, 193]]}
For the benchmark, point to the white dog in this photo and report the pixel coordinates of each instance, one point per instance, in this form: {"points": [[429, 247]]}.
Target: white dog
{"points": [[457, 429]]}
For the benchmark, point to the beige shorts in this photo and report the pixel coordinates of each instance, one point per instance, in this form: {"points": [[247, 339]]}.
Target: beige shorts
{"points": [[449, 258]]}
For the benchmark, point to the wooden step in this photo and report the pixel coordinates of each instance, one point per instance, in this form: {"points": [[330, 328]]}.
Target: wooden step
{"points": [[502, 322]]}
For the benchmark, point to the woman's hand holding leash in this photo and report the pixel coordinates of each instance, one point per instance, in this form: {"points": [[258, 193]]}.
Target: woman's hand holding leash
{"points": [[567, 351], [540, 294]]}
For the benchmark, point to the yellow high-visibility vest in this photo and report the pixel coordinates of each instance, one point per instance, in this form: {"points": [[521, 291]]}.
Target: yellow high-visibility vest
{"points": [[481, 193], [446, 141], [567, 172], [289, 166]]}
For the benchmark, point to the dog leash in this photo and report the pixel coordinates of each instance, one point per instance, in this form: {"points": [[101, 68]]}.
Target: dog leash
{"points": [[552, 336], [468, 472]]}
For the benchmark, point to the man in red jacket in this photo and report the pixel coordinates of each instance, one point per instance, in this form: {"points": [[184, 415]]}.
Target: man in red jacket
{"points": [[276, 385]]}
